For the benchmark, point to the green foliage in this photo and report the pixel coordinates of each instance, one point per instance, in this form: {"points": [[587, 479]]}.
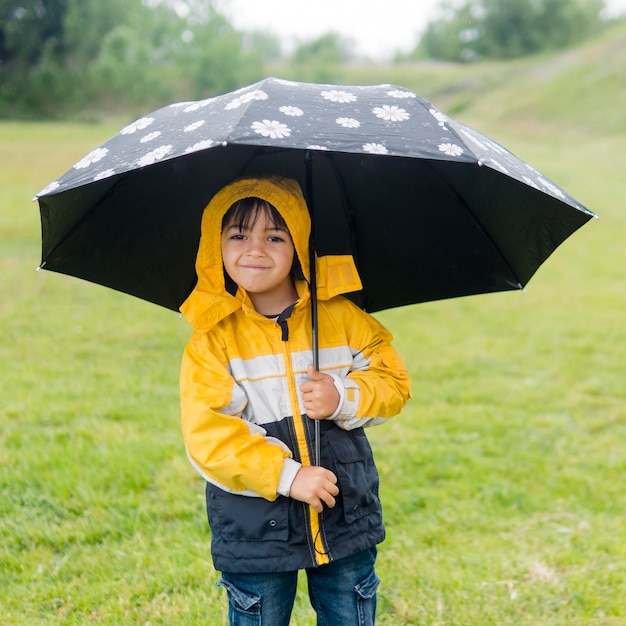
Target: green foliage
{"points": [[214, 58], [122, 69], [507, 29], [59, 57], [31, 37], [317, 60], [268, 46]]}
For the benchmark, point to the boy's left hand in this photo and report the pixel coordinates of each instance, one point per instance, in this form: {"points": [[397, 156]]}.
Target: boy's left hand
{"points": [[319, 395]]}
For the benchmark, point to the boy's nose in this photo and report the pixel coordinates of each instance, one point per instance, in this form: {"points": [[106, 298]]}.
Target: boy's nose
{"points": [[256, 247]]}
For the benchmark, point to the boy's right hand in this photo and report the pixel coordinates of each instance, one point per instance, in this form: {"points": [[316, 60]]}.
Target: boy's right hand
{"points": [[316, 486]]}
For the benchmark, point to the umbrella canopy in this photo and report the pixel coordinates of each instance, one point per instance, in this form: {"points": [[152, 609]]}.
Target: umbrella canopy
{"points": [[428, 207]]}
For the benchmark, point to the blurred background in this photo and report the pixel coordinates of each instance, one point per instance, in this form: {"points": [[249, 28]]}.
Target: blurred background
{"points": [[88, 59]]}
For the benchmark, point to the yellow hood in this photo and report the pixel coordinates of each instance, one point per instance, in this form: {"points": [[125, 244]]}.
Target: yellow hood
{"points": [[210, 302]]}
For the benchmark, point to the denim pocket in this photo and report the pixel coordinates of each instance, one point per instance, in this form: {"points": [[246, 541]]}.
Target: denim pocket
{"points": [[366, 599], [241, 600], [367, 588]]}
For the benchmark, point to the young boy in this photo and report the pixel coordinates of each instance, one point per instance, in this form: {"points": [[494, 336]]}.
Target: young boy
{"points": [[249, 395]]}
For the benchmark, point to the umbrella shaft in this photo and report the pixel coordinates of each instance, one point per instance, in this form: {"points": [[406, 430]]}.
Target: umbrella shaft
{"points": [[308, 166]]}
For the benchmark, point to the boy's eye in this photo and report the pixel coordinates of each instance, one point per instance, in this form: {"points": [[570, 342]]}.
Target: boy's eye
{"points": [[276, 238]]}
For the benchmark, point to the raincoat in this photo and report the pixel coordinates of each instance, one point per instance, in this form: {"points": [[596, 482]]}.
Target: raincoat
{"points": [[243, 420]]}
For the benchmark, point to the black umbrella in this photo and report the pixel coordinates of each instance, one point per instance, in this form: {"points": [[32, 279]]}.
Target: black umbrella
{"points": [[428, 207]]}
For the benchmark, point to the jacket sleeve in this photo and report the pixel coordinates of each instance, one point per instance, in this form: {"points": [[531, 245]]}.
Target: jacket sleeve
{"points": [[377, 386], [226, 450]]}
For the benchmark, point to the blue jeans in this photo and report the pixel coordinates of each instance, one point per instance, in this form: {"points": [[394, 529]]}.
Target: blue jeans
{"points": [[343, 593]]}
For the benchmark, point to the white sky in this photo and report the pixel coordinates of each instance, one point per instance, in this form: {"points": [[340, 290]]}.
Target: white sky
{"points": [[379, 28]]}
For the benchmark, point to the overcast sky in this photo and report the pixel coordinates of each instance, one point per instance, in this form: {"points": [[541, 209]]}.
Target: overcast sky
{"points": [[379, 28]]}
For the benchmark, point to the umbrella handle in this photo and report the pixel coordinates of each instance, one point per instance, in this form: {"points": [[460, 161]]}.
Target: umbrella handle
{"points": [[308, 170]]}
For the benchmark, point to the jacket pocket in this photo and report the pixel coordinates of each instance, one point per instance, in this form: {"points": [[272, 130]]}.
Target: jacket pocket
{"points": [[356, 473], [242, 518]]}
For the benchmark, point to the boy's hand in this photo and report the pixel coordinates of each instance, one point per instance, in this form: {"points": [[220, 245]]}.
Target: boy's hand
{"points": [[319, 395], [316, 486]]}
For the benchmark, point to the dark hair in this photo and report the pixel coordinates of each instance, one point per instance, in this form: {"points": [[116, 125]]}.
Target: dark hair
{"points": [[245, 212]]}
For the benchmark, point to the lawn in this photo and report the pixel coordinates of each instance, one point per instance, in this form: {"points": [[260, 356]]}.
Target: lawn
{"points": [[502, 481]]}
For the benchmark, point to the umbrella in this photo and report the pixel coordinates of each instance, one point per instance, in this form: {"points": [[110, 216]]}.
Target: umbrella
{"points": [[428, 207]]}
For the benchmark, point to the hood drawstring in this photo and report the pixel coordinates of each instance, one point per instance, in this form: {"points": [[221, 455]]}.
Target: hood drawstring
{"points": [[281, 320]]}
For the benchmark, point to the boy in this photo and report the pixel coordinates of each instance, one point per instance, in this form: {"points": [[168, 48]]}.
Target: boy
{"points": [[249, 394]]}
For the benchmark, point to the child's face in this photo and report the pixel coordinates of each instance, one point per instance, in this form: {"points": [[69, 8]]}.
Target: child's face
{"points": [[259, 257]]}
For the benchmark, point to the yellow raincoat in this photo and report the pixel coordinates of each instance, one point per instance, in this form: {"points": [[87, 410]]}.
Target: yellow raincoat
{"points": [[243, 419]]}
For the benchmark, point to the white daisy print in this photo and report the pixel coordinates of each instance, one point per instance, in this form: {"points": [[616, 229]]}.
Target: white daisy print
{"points": [[451, 149], [316, 147], [375, 148], [400, 93], [272, 129], [104, 174], [200, 145], [93, 157], [194, 106], [140, 124], [55, 184], [257, 94], [338, 95], [233, 104], [154, 155], [439, 116], [391, 113], [150, 136], [348, 122], [290, 110], [194, 126]]}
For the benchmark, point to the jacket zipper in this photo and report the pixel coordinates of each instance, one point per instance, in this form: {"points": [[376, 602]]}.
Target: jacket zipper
{"points": [[319, 551]]}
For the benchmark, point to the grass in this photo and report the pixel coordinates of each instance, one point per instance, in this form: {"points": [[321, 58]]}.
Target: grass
{"points": [[501, 481]]}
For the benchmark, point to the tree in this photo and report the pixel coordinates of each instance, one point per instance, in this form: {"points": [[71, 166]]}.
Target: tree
{"points": [[46, 48], [59, 56], [316, 60], [31, 34], [214, 57], [508, 29]]}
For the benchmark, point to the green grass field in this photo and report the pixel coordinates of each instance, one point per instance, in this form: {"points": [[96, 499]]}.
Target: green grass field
{"points": [[502, 480]]}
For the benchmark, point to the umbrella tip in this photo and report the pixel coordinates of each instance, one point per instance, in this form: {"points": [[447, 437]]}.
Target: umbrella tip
{"points": [[40, 267]]}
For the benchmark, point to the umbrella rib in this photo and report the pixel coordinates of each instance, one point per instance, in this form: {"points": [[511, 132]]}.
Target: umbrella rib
{"points": [[478, 223], [82, 220]]}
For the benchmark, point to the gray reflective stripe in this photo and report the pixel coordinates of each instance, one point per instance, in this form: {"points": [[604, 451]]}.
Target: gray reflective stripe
{"points": [[263, 381]]}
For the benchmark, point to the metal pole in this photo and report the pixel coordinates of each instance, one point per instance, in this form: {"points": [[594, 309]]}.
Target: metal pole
{"points": [[308, 167]]}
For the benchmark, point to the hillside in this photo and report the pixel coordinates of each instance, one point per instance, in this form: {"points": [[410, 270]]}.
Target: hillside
{"points": [[581, 89]]}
